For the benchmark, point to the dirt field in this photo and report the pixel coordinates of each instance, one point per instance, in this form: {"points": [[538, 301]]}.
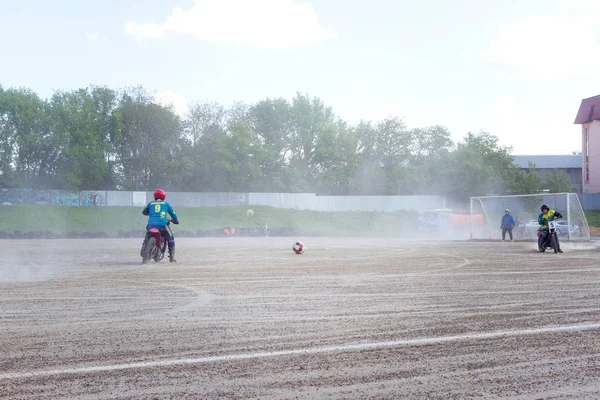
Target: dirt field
{"points": [[350, 318]]}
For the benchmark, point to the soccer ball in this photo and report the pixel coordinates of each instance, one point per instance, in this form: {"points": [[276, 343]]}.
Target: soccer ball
{"points": [[298, 247], [249, 213]]}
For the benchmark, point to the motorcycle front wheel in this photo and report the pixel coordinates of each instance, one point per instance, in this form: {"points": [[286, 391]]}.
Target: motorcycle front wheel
{"points": [[541, 245], [554, 244]]}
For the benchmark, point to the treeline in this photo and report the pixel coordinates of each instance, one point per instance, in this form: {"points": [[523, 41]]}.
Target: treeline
{"points": [[99, 138]]}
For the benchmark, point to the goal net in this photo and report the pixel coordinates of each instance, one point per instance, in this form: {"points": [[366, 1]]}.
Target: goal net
{"points": [[487, 212]]}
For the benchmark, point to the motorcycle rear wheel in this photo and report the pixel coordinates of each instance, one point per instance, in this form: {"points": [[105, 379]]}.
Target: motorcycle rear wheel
{"points": [[160, 252], [148, 248]]}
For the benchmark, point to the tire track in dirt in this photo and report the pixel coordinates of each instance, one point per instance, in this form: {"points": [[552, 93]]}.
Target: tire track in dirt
{"points": [[304, 351]]}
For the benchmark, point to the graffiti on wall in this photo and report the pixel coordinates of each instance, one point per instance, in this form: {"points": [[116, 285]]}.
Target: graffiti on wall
{"points": [[91, 198], [9, 197], [36, 196], [13, 197], [65, 198]]}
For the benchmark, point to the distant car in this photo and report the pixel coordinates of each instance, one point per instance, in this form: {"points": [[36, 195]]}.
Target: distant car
{"points": [[562, 227], [533, 225]]}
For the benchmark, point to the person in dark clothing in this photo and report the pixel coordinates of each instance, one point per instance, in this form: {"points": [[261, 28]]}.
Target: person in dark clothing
{"points": [[508, 223]]}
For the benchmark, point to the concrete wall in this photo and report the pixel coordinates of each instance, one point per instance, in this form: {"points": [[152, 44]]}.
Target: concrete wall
{"points": [[575, 175], [593, 185], [310, 201], [296, 201], [114, 198], [190, 199], [590, 201]]}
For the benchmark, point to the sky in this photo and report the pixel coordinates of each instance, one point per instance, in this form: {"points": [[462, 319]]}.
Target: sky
{"points": [[517, 69]]}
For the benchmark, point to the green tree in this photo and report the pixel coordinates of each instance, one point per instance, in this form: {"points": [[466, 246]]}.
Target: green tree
{"points": [[559, 182], [336, 159], [478, 166], [384, 154], [309, 119], [204, 118], [430, 148], [239, 159], [369, 177], [148, 137], [28, 147], [82, 121], [520, 181], [429, 142], [271, 120]]}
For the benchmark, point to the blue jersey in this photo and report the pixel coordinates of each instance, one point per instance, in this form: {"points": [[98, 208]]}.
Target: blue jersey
{"points": [[157, 211]]}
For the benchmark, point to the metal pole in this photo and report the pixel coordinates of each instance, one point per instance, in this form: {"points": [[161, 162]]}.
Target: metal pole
{"points": [[568, 216], [471, 217]]}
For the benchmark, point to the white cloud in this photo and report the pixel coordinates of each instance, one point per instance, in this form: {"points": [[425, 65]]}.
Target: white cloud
{"points": [[555, 45], [147, 30], [169, 98], [531, 131], [92, 35], [260, 23]]}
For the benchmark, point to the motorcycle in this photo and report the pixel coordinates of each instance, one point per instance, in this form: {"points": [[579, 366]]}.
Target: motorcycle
{"points": [[521, 232], [154, 246], [551, 238]]}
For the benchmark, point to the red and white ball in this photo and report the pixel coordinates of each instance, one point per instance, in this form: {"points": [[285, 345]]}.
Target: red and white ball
{"points": [[298, 247]]}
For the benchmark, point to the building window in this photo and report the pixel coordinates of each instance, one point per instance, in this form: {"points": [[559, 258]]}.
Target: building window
{"points": [[586, 154]]}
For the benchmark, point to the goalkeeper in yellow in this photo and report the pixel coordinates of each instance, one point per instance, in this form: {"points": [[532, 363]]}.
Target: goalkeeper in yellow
{"points": [[548, 215]]}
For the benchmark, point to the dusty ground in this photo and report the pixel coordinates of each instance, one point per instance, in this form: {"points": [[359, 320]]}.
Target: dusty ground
{"points": [[247, 318]]}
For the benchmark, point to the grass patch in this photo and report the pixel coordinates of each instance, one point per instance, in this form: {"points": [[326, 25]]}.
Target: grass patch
{"points": [[111, 220], [593, 217]]}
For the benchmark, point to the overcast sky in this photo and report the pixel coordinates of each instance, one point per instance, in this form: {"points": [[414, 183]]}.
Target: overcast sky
{"points": [[517, 69]]}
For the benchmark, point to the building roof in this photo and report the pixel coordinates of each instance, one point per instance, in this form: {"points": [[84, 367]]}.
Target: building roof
{"points": [[558, 162], [589, 110]]}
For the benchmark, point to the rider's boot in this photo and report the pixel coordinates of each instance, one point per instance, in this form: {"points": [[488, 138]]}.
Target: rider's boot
{"points": [[172, 254]]}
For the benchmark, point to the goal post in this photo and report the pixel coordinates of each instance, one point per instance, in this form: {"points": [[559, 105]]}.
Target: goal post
{"points": [[487, 212]]}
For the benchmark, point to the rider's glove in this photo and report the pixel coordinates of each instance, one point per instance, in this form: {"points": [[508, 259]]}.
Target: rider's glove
{"points": [[175, 222]]}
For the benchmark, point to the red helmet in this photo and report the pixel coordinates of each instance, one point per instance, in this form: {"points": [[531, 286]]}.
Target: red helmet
{"points": [[160, 194]]}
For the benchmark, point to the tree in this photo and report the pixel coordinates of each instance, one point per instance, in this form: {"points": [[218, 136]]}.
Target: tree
{"points": [[559, 182], [384, 154], [336, 159], [28, 148], [430, 147], [239, 159], [309, 119], [99, 139], [368, 176], [428, 142], [466, 174], [204, 118], [520, 181], [82, 121], [478, 166], [8, 136], [147, 142], [271, 120]]}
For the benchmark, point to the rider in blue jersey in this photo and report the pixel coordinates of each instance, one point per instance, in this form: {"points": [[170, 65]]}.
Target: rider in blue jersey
{"points": [[157, 211]]}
